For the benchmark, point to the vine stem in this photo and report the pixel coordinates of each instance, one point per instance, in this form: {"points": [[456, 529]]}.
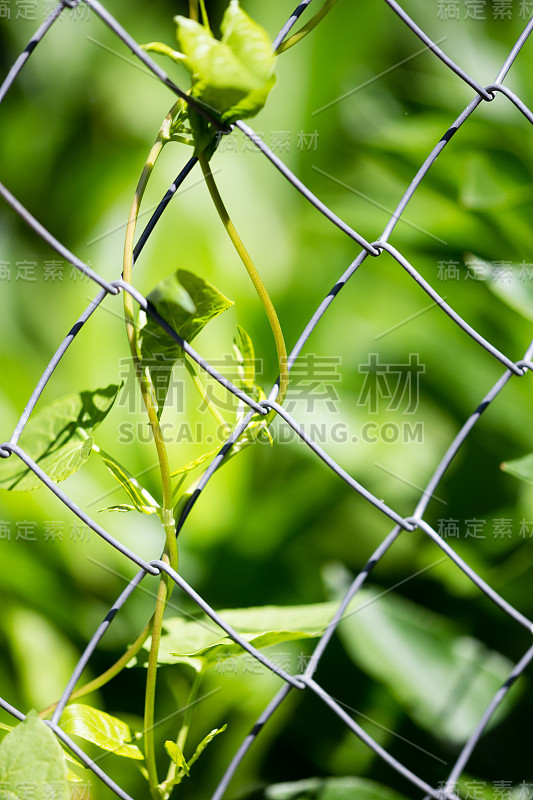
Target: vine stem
{"points": [[154, 623], [253, 273], [163, 594], [171, 545], [171, 549], [307, 28], [118, 666], [193, 12], [186, 724]]}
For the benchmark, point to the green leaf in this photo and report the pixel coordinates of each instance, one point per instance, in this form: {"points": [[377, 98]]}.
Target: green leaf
{"points": [[79, 773], [195, 463], [4, 729], [177, 756], [257, 430], [187, 302], [249, 43], [442, 679], [203, 744], [57, 438], [245, 356], [141, 498], [232, 76], [75, 777], [252, 47], [103, 730], [163, 50], [521, 468], [262, 626], [124, 508], [30, 755], [511, 286], [326, 789]]}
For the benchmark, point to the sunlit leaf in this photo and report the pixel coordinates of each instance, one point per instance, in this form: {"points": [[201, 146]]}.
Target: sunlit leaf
{"points": [[257, 431], [245, 356], [261, 626], [72, 775], [141, 498], [203, 744], [195, 463], [124, 508], [57, 438], [76, 771], [30, 755], [178, 759], [187, 303], [4, 729], [233, 75], [103, 730], [177, 756], [250, 43], [163, 50]]}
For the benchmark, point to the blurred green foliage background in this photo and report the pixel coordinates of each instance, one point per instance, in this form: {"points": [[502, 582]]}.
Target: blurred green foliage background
{"points": [[75, 130]]}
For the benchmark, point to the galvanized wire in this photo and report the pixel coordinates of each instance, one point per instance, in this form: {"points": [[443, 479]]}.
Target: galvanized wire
{"points": [[414, 523]]}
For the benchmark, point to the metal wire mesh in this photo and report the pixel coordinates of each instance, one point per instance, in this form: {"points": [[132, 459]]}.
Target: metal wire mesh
{"points": [[512, 369]]}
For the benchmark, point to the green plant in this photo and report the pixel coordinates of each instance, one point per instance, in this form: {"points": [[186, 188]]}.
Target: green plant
{"points": [[231, 79], [61, 440]]}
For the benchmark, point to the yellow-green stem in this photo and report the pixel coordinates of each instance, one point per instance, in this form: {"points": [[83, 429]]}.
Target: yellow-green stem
{"points": [[171, 551], [254, 275], [110, 673], [146, 388], [132, 651], [193, 12], [163, 594], [307, 28]]}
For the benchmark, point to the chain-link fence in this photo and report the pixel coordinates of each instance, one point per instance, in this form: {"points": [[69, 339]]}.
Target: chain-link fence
{"points": [[513, 369]]}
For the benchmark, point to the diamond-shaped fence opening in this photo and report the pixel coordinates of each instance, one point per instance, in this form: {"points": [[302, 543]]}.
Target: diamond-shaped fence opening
{"points": [[512, 369]]}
